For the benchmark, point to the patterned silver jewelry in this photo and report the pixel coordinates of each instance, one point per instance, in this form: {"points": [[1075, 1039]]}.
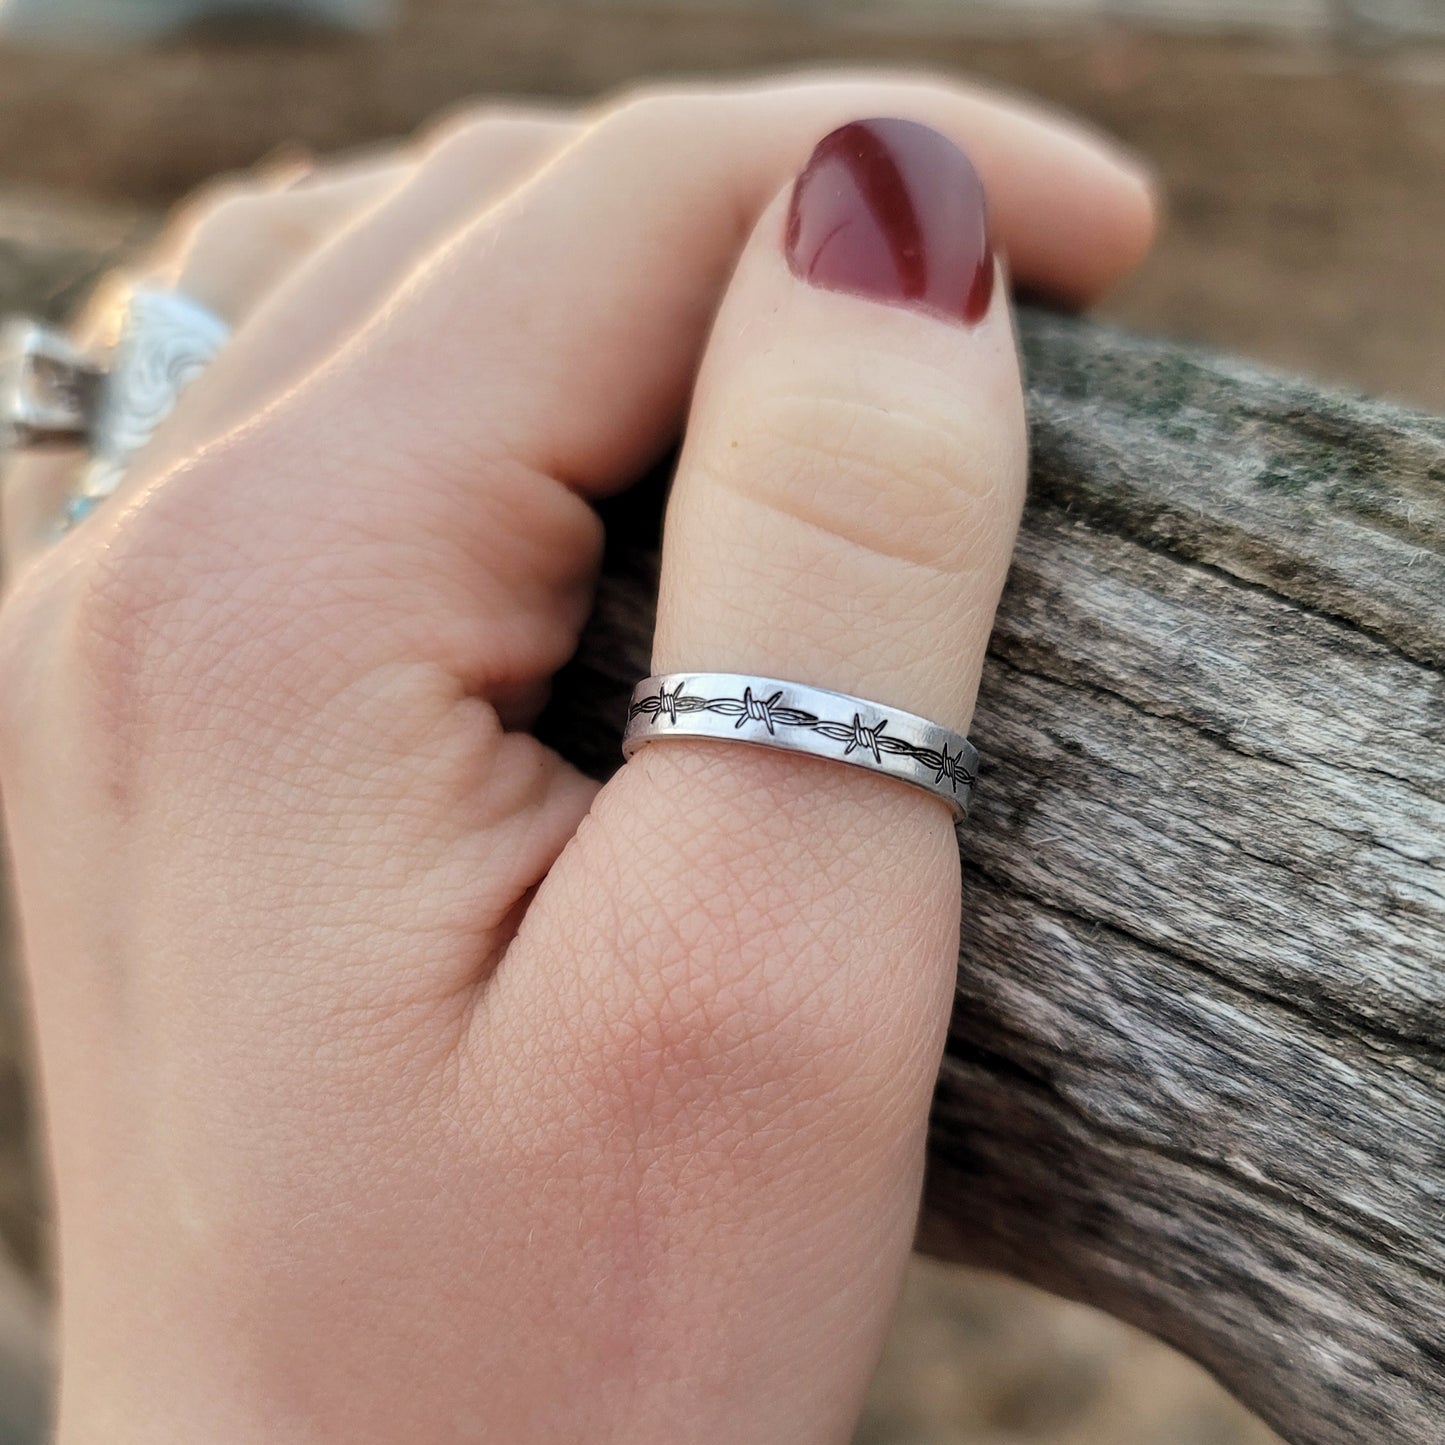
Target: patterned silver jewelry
{"points": [[769, 712], [52, 392], [162, 341], [48, 386]]}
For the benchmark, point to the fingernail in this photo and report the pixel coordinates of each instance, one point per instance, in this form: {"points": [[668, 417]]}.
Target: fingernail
{"points": [[893, 210]]}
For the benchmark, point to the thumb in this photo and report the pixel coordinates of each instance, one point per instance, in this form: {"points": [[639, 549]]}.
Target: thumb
{"points": [[854, 471], [781, 931]]}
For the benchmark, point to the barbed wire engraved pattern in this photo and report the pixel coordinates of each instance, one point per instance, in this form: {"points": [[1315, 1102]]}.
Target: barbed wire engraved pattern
{"points": [[772, 714]]}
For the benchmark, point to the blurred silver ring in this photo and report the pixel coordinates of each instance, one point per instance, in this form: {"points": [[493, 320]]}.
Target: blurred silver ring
{"points": [[769, 712], [159, 344], [48, 386], [108, 400]]}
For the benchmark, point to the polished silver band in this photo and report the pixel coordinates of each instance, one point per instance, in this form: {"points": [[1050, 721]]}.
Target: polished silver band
{"points": [[768, 712]]}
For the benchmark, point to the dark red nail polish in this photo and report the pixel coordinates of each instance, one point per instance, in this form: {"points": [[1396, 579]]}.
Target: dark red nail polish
{"points": [[893, 210]]}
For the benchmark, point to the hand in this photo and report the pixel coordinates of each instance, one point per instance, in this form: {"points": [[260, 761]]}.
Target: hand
{"points": [[403, 1085]]}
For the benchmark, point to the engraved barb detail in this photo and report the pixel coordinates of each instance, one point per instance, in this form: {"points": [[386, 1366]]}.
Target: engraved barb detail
{"points": [[769, 712]]}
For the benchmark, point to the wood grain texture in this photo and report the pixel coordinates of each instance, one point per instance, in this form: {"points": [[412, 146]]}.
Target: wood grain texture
{"points": [[1197, 1067], [1196, 1070]]}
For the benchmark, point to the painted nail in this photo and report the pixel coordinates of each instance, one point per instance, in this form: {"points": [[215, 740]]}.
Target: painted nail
{"points": [[893, 210]]}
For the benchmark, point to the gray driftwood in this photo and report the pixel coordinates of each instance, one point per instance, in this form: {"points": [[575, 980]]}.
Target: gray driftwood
{"points": [[1196, 1073]]}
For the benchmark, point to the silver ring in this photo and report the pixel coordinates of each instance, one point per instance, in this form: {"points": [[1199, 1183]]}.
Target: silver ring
{"points": [[48, 386], [769, 712], [161, 341], [111, 402]]}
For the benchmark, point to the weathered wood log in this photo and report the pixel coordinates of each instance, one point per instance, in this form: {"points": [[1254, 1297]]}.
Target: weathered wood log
{"points": [[1196, 1071]]}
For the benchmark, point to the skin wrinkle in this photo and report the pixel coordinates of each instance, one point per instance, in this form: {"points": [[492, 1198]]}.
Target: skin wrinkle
{"points": [[248, 723], [855, 607], [941, 551], [687, 1008], [246, 609], [944, 452]]}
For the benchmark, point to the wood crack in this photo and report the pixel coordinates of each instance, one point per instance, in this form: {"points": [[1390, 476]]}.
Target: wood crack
{"points": [[1076, 682], [1330, 1020], [1116, 520], [1371, 1234]]}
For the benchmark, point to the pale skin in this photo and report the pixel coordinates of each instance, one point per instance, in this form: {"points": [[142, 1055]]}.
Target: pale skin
{"points": [[401, 1084]]}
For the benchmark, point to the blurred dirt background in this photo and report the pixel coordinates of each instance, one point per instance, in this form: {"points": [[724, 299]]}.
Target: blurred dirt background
{"points": [[1305, 177]]}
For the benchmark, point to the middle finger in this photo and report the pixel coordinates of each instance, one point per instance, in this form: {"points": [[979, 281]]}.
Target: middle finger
{"points": [[336, 288], [331, 247]]}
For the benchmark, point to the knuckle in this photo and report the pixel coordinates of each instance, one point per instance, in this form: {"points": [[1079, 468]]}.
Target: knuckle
{"points": [[657, 111], [239, 209], [185, 609], [446, 129], [143, 611], [104, 636], [697, 1000], [457, 133], [908, 482], [200, 207], [248, 219]]}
